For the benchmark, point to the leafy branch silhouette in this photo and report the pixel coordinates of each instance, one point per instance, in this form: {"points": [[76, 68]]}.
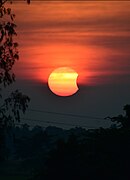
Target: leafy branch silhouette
{"points": [[16, 103]]}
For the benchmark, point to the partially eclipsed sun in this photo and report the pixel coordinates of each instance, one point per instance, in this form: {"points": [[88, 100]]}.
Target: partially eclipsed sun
{"points": [[63, 81]]}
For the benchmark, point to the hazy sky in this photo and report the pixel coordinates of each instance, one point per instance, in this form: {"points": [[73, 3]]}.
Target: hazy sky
{"points": [[93, 38]]}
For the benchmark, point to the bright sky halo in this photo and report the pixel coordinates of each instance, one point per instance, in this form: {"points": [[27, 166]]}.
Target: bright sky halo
{"points": [[63, 81]]}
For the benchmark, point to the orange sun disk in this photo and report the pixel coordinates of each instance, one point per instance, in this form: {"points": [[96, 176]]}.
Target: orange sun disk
{"points": [[63, 81]]}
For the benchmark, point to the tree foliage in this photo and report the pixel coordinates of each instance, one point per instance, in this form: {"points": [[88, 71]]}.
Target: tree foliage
{"points": [[11, 108], [122, 121], [16, 102], [8, 47]]}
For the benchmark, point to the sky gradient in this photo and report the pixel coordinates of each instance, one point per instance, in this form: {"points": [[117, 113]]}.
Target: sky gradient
{"points": [[93, 38]]}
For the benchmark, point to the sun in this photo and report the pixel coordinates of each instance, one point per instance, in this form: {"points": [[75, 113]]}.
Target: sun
{"points": [[63, 81]]}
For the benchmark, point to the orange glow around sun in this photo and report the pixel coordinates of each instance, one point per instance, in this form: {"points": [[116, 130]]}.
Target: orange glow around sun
{"points": [[73, 37], [63, 81]]}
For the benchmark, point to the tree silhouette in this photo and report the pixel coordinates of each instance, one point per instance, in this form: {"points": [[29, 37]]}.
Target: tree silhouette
{"points": [[122, 121], [17, 102]]}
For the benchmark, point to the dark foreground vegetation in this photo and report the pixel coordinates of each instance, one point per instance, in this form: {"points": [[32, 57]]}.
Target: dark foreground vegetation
{"points": [[54, 153], [44, 153]]}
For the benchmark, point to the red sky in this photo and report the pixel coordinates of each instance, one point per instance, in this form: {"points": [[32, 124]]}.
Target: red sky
{"points": [[91, 37]]}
